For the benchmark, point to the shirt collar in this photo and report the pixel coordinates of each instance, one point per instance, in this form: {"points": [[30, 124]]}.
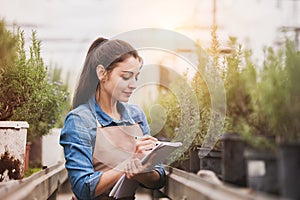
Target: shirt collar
{"points": [[104, 119]]}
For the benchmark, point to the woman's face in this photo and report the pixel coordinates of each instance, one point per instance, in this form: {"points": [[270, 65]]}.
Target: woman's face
{"points": [[122, 80]]}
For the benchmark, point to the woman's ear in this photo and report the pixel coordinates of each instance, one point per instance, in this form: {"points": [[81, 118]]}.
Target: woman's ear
{"points": [[100, 72]]}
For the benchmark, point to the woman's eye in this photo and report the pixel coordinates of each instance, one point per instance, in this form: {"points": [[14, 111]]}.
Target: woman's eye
{"points": [[129, 77], [125, 78]]}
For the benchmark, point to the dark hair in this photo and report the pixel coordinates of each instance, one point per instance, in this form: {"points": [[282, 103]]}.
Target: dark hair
{"points": [[107, 53]]}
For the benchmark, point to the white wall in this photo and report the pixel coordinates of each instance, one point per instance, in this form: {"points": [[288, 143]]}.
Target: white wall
{"points": [[52, 152]]}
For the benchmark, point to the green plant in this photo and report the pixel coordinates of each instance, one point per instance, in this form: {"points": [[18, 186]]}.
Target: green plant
{"points": [[181, 115], [8, 51], [279, 91], [27, 94], [237, 96], [31, 171], [188, 104], [203, 84], [244, 114], [180, 104], [8, 46], [169, 102]]}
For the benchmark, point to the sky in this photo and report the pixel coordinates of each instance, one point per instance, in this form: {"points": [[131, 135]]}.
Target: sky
{"points": [[67, 27]]}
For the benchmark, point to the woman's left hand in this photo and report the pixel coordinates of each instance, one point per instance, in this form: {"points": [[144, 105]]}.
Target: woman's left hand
{"points": [[133, 168]]}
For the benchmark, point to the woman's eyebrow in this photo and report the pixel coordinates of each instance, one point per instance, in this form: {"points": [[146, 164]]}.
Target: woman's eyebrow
{"points": [[130, 72]]}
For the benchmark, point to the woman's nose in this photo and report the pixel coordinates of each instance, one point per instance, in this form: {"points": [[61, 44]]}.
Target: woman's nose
{"points": [[133, 83]]}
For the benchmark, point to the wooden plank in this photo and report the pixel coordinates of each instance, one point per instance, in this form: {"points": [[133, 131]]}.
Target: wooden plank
{"points": [[40, 185], [182, 185]]}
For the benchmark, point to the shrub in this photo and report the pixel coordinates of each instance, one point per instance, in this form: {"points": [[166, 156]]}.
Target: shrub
{"points": [[27, 94], [279, 91]]}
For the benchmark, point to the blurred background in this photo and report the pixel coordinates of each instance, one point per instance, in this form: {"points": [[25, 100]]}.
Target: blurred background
{"points": [[260, 86], [67, 27]]}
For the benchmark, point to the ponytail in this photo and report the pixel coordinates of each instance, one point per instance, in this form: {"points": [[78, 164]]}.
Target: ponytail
{"points": [[107, 53], [88, 80]]}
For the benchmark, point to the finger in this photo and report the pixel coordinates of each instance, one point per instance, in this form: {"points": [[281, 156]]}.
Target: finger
{"points": [[147, 141], [139, 165], [145, 145], [129, 173], [127, 168], [147, 137], [134, 168]]}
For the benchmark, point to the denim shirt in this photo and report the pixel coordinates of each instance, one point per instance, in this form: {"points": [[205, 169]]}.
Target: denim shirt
{"points": [[78, 140]]}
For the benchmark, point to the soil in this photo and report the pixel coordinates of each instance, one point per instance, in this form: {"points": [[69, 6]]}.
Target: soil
{"points": [[11, 165]]}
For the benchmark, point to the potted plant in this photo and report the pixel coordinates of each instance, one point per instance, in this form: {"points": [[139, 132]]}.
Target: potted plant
{"points": [[260, 153], [27, 93], [182, 119], [247, 140], [209, 158], [12, 133], [237, 111], [279, 100]]}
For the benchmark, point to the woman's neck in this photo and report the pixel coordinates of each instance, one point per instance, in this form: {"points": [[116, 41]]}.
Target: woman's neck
{"points": [[108, 105]]}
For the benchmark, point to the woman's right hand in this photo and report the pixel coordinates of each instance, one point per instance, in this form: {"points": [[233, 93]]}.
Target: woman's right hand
{"points": [[144, 145]]}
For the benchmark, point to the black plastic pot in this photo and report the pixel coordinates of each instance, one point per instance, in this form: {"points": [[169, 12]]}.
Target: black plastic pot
{"points": [[182, 164], [210, 160], [194, 159], [262, 171], [233, 163], [289, 170]]}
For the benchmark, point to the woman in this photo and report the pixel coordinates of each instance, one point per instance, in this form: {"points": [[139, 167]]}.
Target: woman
{"points": [[108, 78]]}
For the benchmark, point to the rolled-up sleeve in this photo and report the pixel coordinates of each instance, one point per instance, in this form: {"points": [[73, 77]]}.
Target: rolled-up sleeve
{"points": [[77, 142], [162, 181]]}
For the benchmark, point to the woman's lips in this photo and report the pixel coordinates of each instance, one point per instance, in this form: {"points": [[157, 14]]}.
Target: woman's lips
{"points": [[128, 93]]}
